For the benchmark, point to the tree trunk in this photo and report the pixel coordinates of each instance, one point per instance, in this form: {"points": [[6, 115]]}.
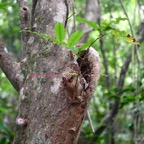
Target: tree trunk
{"points": [[92, 13], [57, 87]]}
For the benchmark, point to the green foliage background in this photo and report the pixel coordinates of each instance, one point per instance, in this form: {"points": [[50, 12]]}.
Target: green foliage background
{"points": [[10, 32]]}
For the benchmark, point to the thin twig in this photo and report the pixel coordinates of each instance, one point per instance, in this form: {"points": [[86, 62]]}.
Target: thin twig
{"points": [[131, 28], [71, 15], [105, 60], [90, 121], [139, 8]]}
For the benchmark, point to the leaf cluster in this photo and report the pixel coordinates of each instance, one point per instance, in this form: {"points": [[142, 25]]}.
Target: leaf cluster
{"points": [[72, 42]]}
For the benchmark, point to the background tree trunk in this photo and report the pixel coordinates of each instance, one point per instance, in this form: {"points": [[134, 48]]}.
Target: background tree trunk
{"points": [[53, 102]]}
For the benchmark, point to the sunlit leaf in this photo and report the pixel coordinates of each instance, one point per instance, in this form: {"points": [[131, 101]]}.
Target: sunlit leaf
{"points": [[122, 33], [106, 26], [90, 23], [120, 19], [137, 43], [5, 5], [64, 43], [85, 45], [116, 33], [131, 40], [105, 23], [74, 38], [59, 31], [74, 49]]}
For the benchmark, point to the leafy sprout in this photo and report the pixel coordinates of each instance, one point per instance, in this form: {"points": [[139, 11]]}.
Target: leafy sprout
{"points": [[71, 43]]}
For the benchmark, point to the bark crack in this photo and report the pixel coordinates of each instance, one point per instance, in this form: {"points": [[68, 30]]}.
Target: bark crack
{"points": [[67, 12]]}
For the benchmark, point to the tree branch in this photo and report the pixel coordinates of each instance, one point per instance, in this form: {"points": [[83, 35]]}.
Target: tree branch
{"points": [[34, 3], [131, 28], [10, 68], [105, 63], [24, 20]]}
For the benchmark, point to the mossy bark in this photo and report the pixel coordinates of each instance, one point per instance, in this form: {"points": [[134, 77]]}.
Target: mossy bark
{"points": [[53, 101]]}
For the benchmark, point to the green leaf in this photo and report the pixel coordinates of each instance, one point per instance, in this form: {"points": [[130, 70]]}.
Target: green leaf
{"points": [[3, 141], [55, 41], [106, 26], [86, 45], [74, 38], [91, 24], [64, 43], [118, 33], [78, 50], [74, 49], [105, 23], [4, 129], [115, 33], [5, 5], [3, 109], [119, 19], [59, 31]]}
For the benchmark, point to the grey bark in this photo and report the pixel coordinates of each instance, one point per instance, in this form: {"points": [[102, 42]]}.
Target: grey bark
{"points": [[53, 101]]}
